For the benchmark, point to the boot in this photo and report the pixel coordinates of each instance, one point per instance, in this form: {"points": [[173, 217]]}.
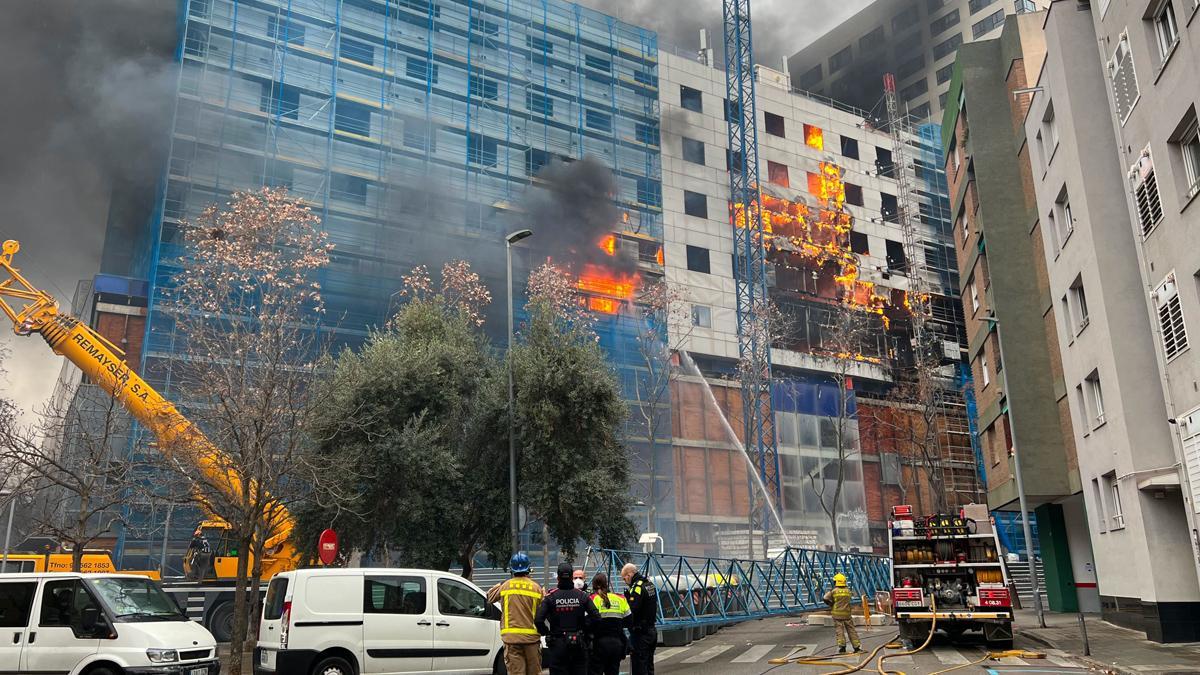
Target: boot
{"points": [[841, 649], [858, 649]]}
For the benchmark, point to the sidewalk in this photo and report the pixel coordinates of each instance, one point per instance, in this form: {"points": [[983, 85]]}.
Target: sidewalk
{"points": [[1113, 649]]}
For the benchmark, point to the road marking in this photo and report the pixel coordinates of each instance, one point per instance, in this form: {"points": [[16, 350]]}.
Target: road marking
{"points": [[664, 654], [754, 654], [950, 657], [906, 658], [708, 654], [1060, 661]]}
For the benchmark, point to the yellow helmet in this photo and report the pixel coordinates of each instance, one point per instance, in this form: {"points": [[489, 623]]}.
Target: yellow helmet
{"points": [[839, 580]]}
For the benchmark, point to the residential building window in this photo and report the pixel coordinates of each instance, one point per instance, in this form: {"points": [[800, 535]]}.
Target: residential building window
{"points": [[854, 194], [974, 296], [285, 30], [594, 119], [1145, 192], [649, 191], [961, 223], [195, 40], [646, 133], [976, 5], [883, 162], [943, 23], [1043, 157], [840, 60], [281, 100], [690, 99], [351, 117], [814, 137], [897, 261], [905, 19], [849, 147], [1049, 131], [774, 124], [872, 41], [942, 99], [915, 89], [701, 316], [1115, 512], [955, 158], [356, 50], [859, 243], [889, 207], [1170, 317], [1124, 78], [944, 74], [535, 159], [983, 369], [481, 29], [1064, 218], [1025, 6], [910, 67], [1079, 308], [1166, 30], [421, 70], [1187, 144], [693, 151], [695, 204], [1066, 319], [812, 77], [921, 112], [596, 63], [539, 104], [537, 44], [778, 174], [348, 188], [481, 150], [1101, 516], [1082, 404], [482, 87], [989, 22], [697, 259], [947, 47], [1095, 398]]}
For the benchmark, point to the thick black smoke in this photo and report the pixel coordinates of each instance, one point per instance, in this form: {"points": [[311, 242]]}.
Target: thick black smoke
{"points": [[571, 212], [88, 87]]}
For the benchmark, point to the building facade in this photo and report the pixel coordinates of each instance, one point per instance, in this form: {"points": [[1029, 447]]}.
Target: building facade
{"points": [[914, 40], [1023, 401], [1112, 183]]}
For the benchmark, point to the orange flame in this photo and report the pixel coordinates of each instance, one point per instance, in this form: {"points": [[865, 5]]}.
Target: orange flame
{"points": [[608, 244], [658, 257], [616, 289], [814, 137]]}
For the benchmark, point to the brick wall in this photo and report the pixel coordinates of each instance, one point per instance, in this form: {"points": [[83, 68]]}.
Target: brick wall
{"points": [[125, 331]]}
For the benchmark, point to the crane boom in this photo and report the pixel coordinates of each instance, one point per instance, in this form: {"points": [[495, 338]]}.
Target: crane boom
{"points": [[103, 363]]}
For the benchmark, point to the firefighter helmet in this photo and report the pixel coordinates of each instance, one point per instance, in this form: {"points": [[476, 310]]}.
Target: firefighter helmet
{"points": [[839, 580]]}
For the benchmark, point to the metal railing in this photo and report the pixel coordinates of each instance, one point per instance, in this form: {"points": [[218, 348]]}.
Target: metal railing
{"points": [[697, 591]]}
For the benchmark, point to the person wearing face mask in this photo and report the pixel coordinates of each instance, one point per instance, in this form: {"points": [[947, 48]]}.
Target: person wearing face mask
{"points": [[579, 581], [565, 617]]}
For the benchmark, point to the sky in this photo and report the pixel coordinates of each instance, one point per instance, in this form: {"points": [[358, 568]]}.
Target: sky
{"points": [[88, 89]]}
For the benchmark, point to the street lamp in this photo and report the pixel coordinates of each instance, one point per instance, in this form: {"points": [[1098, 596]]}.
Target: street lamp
{"points": [[1033, 578], [514, 523], [12, 505]]}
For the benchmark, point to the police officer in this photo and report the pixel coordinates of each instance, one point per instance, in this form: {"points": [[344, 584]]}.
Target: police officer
{"points": [[643, 615], [520, 599], [609, 644], [565, 617]]}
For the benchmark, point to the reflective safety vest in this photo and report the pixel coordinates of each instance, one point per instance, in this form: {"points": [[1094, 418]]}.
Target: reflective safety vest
{"points": [[840, 601], [519, 599], [618, 606]]}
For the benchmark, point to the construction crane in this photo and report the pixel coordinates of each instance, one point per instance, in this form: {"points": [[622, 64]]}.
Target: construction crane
{"points": [[749, 260], [103, 363]]}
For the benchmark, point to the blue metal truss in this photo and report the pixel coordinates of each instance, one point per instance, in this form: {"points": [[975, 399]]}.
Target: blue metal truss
{"points": [[966, 385], [749, 259], [696, 591]]}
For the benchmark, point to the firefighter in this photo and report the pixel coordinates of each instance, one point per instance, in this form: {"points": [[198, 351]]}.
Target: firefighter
{"points": [[840, 598], [609, 644], [643, 617], [520, 598], [565, 619]]}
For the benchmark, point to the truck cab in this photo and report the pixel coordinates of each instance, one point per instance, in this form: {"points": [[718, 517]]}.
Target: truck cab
{"points": [[98, 623]]}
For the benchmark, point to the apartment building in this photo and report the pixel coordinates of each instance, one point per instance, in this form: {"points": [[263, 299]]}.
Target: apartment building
{"points": [[913, 39], [1108, 147], [1023, 401]]}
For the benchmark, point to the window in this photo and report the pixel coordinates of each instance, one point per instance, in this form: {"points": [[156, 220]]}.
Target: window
{"points": [[910, 67], [883, 162], [690, 99], [195, 40], [1064, 219], [947, 47], [989, 22], [287, 31], [280, 100], [482, 28], [932, 6], [774, 124], [348, 188], [695, 204], [1095, 396], [974, 296], [859, 243], [1078, 304], [915, 89], [942, 99], [598, 120], [812, 77], [1024, 6], [1101, 516], [854, 194], [944, 74], [1049, 131], [200, 8], [920, 112], [394, 595], [905, 19], [693, 151], [351, 117], [1188, 145], [481, 150], [778, 173], [1170, 317], [1145, 192], [849, 147], [954, 154], [63, 603], [458, 599], [649, 191], [421, 70], [539, 104], [1115, 513], [889, 207], [16, 599], [276, 595], [418, 134], [983, 369], [597, 63], [961, 222], [697, 259], [645, 77], [976, 5], [1166, 30], [701, 316], [943, 23], [1124, 78], [482, 87], [896, 260], [646, 133], [539, 48], [1041, 147], [814, 137], [535, 159], [355, 50], [872, 41], [840, 60]]}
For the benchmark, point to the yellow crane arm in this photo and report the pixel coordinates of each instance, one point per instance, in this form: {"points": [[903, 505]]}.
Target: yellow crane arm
{"points": [[103, 363]]}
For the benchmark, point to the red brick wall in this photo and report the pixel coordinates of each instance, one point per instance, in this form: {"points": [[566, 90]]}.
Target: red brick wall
{"points": [[126, 332]]}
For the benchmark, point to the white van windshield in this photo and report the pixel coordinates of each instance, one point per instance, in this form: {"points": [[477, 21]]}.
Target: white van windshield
{"points": [[136, 600]]}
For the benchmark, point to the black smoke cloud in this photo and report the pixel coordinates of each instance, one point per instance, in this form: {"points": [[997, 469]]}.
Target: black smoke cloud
{"points": [[571, 211], [88, 87]]}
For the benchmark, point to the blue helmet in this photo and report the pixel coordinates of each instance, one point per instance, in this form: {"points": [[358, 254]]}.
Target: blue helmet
{"points": [[519, 562]]}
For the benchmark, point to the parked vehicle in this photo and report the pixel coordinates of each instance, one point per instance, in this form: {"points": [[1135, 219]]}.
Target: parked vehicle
{"points": [[101, 624], [336, 621]]}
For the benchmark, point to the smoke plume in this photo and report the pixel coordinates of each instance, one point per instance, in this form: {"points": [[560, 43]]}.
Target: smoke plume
{"points": [[88, 91], [572, 211]]}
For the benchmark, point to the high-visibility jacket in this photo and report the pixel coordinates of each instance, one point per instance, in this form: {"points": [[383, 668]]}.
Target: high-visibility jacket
{"points": [[840, 601], [519, 598]]}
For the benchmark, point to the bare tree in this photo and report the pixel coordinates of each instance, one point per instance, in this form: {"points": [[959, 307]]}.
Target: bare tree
{"points": [[918, 432], [247, 307]]}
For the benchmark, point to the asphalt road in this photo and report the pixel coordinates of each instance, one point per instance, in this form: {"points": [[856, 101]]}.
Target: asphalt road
{"points": [[745, 649]]}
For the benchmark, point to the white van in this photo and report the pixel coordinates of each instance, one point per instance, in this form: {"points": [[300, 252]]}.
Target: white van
{"points": [[101, 624], [370, 621]]}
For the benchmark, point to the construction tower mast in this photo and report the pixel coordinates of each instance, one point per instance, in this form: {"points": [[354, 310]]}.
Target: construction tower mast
{"points": [[749, 260]]}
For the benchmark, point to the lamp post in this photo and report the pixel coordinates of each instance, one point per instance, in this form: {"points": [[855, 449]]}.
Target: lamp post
{"points": [[514, 523], [12, 505], [1033, 578]]}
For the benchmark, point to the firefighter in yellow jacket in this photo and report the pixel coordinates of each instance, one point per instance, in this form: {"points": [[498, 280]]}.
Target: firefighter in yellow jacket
{"points": [[840, 599], [519, 598]]}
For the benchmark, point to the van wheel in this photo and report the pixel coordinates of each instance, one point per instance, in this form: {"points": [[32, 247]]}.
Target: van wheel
{"points": [[220, 622], [333, 665], [498, 668], [101, 671]]}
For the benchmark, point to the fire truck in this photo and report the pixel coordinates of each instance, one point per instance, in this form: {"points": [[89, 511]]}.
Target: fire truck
{"points": [[948, 568]]}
